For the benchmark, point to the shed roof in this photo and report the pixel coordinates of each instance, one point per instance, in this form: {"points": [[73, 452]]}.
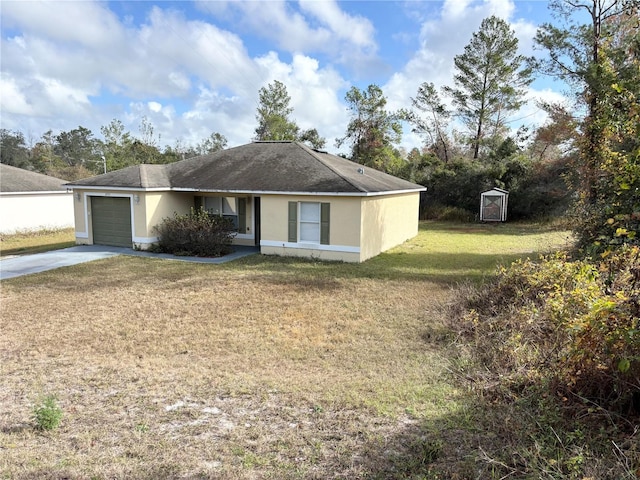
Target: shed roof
{"points": [[496, 190], [18, 180], [284, 167]]}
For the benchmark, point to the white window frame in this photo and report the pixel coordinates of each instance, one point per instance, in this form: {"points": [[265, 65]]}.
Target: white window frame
{"points": [[302, 221]]}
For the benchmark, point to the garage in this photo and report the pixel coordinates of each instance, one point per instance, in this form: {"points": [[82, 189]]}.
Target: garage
{"points": [[111, 221]]}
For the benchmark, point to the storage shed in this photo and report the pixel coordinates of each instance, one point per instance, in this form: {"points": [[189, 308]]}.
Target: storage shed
{"points": [[493, 205]]}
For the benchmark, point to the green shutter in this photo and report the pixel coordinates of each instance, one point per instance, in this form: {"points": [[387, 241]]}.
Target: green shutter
{"points": [[198, 202], [293, 222], [242, 215], [324, 223]]}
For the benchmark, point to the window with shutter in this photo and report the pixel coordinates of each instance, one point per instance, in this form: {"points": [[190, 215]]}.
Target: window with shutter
{"points": [[309, 222]]}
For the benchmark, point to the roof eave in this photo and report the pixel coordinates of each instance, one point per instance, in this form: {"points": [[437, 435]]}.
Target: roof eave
{"points": [[248, 192]]}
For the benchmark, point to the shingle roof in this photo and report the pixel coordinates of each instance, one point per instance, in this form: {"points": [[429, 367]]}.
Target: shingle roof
{"points": [[257, 167], [136, 176], [17, 180]]}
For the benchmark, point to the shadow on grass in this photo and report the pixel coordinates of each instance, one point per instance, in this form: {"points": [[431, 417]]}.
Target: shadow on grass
{"points": [[36, 249], [474, 443], [497, 228], [440, 268], [498, 437]]}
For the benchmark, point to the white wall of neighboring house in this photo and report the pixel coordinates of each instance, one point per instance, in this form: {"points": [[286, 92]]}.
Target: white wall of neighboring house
{"points": [[28, 211]]}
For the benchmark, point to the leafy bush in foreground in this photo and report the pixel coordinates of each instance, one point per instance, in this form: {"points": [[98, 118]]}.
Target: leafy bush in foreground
{"points": [[557, 344], [196, 234], [573, 322]]}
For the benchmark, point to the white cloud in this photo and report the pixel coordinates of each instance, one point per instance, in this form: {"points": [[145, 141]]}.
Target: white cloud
{"points": [[355, 30], [154, 106], [316, 27], [82, 23], [66, 64], [12, 99]]}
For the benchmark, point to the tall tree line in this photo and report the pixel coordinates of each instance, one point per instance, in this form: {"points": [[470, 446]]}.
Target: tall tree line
{"points": [[77, 153]]}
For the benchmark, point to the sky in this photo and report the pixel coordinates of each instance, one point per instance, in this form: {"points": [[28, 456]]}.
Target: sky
{"points": [[194, 68]]}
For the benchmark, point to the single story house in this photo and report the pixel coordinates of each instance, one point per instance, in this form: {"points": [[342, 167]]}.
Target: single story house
{"points": [[284, 197], [31, 201]]}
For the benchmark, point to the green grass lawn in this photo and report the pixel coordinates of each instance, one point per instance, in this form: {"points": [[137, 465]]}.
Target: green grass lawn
{"points": [[265, 367]]}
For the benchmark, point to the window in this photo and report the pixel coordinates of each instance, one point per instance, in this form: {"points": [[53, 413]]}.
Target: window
{"points": [[232, 208], [309, 222], [213, 205]]}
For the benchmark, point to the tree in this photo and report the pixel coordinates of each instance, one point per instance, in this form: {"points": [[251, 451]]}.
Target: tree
{"points": [[372, 130], [13, 149], [213, 143], [273, 114], [600, 59], [434, 125], [558, 137], [147, 135], [490, 81], [574, 55], [116, 145], [78, 148], [312, 138]]}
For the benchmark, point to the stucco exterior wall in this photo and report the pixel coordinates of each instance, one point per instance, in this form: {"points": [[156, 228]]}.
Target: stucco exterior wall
{"points": [[344, 228], [161, 205], [148, 209], [360, 227], [388, 221], [35, 211]]}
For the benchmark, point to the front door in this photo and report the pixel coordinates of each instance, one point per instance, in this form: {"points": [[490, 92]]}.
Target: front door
{"points": [[256, 218]]}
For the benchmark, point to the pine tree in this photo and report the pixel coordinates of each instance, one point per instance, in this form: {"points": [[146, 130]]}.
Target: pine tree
{"points": [[273, 114], [372, 130], [490, 81]]}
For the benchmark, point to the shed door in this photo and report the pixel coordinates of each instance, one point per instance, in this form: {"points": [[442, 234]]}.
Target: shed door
{"points": [[492, 207], [111, 218]]}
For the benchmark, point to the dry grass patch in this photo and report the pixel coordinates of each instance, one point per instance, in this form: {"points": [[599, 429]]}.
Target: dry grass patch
{"points": [[36, 241], [203, 370], [262, 368]]}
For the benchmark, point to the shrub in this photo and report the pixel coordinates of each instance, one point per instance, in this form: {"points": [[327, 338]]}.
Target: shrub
{"points": [[196, 234], [570, 324], [47, 414]]}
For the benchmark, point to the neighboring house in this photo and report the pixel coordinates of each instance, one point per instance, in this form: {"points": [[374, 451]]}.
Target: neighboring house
{"points": [[32, 201], [284, 196]]}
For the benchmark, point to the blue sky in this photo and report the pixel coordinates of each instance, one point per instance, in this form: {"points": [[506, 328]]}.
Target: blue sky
{"points": [[193, 68]]}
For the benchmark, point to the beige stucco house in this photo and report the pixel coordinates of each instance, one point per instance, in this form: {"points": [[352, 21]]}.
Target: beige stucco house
{"points": [[31, 201], [284, 197]]}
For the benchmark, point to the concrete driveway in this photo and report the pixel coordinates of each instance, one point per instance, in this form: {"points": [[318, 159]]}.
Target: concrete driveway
{"points": [[40, 262]]}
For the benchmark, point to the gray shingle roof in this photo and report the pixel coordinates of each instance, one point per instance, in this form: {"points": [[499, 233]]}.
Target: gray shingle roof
{"points": [[15, 180], [257, 167], [136, 176]]}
